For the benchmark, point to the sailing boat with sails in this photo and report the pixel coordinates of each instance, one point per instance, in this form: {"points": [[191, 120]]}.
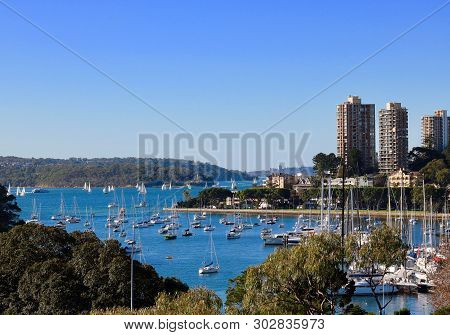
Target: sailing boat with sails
{"points": [[62, 210], [35, 214], [113, 204], [22, 192], [75, 218], [212, 266]]}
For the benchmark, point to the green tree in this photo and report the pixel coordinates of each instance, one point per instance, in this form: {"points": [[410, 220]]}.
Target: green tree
{"points": [[304, 279], [436, 172], [9, 210], [187, 195], [197, 301], [383, 249], [45, 270], [323, 162], [354, 163], [418, 157], [212, 196]]}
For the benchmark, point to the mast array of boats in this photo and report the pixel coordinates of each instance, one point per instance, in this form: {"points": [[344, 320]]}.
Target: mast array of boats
{"points": [[419, 264]]}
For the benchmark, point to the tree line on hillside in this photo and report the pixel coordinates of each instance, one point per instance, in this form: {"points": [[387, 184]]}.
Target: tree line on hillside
{"points": [[115, 171]]}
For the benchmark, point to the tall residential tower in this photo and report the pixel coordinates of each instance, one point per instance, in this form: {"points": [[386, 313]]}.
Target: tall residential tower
{"points": [[356, 130], [393, 132], [435, 130]]}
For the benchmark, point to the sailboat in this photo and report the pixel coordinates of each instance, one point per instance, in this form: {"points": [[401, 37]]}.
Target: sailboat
{"points": [[23, 192], [113, 204], [87, 223], [213, 265], [85, 186], [171, 233], [233, 185], [17, 191], [35, 214], [89, 188], [61, 216], [75, 217], [142, 189], [9, 190], [106, 190]]}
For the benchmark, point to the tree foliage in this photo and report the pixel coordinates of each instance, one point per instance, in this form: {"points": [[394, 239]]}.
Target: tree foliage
{"points": [[418, 157], [383, 249], [304, 279], [45, 270], [323, 162], [197, 301], [9, 210], [99, 172], [436, 172], [212, 196]]}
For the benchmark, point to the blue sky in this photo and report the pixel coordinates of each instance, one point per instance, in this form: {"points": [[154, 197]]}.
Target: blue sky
{"points": [[213, 66]]}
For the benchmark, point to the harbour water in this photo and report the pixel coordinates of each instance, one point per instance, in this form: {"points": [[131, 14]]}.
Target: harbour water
{"points": [[187, 253]]}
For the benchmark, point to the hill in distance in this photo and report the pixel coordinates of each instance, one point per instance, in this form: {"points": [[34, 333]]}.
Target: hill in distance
{"points": [[120, 172]]}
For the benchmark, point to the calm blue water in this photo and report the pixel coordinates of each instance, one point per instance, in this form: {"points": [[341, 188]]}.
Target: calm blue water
{"points": [[188, 252]]}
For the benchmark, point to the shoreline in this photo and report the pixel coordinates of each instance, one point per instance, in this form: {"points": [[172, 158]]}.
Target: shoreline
{"points": [[295, 212]]}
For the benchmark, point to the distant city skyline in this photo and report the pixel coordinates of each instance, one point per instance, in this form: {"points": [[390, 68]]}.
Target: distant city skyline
{"points": [[223, 66]]}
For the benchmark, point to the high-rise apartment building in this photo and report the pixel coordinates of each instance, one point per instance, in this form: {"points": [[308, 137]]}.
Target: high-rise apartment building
{"points": [[393, 138], [356, 130], [435, 130]]}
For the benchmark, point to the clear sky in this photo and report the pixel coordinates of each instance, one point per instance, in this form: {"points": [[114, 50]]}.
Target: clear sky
{"points": [[212, 66]]}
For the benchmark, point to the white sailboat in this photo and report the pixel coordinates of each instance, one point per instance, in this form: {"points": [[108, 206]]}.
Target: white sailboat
{"points": [[113, 204], [17, 191], [212, 266], [89, 188], [85, 186], [106, 190], [9, 190], [142, 189], [233, 185], [35, 214], [61, 216], [23, 192]]}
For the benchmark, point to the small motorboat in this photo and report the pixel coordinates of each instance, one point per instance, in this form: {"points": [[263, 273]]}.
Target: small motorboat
{"points": [[209, 228], [233, 235], [186, 233]]}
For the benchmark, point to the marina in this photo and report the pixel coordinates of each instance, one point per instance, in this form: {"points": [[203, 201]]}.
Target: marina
{"points": [[175, 241]]}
